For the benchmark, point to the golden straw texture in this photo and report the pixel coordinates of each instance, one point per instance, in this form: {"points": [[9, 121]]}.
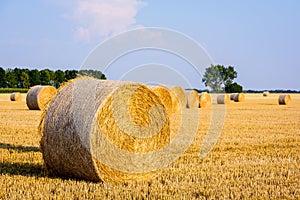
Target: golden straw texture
{"points": [[284, 99], [38, 96], [223, 99], [237, 97], [90, 116], [204, 100], [192, 99], [16, 96]]}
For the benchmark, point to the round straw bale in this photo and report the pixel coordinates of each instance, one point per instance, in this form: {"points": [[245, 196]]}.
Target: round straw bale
{"points": [[266, 93], [38, 96], [284, 99], [223, 99], [192, 99], [16, 96], [164, 94], [204, 100], [237, 97], [178, 99], [90, 121]]}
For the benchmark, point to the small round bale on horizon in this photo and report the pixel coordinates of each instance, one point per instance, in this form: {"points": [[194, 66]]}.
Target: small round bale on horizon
{"points": [[284, 99], [192, 99], [38, 96], [204, 100], [266, 93], [237, 97], [16, 96], [223, 99]]}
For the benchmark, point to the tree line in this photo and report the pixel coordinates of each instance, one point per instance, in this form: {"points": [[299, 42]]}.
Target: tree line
{"points": [[25, 78]]}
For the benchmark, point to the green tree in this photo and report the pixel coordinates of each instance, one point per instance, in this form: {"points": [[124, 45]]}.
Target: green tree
{"points": [[59, 78], [18, 73], [2, 78], [217, 77], [25, 81], [34, 77], [45, 77], [92, 73], [233, 87], [52, 78], [70, 74], [11, 79]]}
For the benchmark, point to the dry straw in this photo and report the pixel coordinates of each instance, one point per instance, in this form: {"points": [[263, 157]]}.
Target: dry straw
{"points": [[284, 99], [266, 93], [164, 94], [223, 99], [38, 96], [86, 113], [192, 99], [16, 96], [204, 100], [178, 99], [237, 97]]}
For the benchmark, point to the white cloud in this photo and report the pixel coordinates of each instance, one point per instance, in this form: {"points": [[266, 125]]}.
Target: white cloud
{"points": [[82, 34], [95, 18]]}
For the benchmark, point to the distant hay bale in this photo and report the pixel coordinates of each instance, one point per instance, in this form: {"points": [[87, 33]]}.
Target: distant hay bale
{"points": [[284, 99], [164, 94], [192, 99], [266, 93], [223, 99], [204, 100], [38, 96], [16, 96], [90, 119], [237, 97], [178, 99]]}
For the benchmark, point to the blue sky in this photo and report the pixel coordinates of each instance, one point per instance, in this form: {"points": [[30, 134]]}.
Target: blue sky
{"points": [[261, 39]]}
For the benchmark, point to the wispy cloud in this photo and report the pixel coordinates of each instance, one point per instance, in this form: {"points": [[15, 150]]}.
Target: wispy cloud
{"points": [[94, 18]]}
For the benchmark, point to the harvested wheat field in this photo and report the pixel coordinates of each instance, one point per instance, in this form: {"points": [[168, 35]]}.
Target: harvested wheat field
{"points": [[256, 156]]}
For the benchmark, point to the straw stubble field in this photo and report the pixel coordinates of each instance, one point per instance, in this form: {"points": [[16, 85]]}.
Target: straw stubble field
{"points": [[257, 156]]}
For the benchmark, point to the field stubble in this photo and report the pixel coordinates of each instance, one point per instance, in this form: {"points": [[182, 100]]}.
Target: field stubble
{"points": [[257, 156]]}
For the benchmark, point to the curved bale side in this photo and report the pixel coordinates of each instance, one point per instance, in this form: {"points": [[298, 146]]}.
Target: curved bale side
{"points": [[178, 99], [192, 99], [16, 96], [284, 99], [223, 99], [237, 97], [164, 94], [266, 93], [89, 119], [204, 100], [38, 96]]}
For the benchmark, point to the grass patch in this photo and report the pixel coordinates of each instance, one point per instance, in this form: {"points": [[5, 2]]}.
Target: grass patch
{"points": [[11, 90]]}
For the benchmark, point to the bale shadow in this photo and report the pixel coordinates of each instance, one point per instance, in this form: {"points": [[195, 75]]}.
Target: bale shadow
{"points": [[24, 169], [32, 170], [19, 147]]}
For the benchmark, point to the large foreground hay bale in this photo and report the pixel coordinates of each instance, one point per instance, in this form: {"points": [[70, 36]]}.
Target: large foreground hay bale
{"points": [[284, 99], [38, 96], [237, 97], [16, 96], [192, 99], [223, 99], [178, 99], [266, 93], [164, 94], [204, 100], [91, 121]]}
